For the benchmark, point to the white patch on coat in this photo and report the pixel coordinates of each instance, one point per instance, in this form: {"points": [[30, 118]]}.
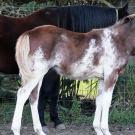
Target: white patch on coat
{"points": [[64, 37], [111, 60], [39, 63], [110, 51], [84, 68], [57, 60]]}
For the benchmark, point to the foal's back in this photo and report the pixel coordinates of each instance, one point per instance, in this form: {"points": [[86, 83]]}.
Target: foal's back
{"points": [[65, 50], [53, 39]]}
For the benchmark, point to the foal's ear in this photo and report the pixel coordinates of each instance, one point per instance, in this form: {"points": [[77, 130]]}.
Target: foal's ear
{"points": [[128, 19]]}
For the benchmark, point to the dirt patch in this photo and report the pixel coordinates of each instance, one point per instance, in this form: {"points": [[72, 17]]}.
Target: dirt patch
{"points": [[70, 130]]}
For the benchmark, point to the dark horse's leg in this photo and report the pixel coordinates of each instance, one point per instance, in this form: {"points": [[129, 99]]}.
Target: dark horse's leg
{"points": [[49, 90], [53, 103]]}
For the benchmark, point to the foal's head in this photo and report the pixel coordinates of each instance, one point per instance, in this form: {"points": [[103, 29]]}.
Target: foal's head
{"points": [[126, 33]]}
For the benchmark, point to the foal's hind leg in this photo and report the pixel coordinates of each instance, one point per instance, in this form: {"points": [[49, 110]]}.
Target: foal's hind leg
{"points": [[22, 95], [34, 109]]}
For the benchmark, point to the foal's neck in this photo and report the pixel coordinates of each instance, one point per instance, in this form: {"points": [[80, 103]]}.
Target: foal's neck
{"points": [[121, 39]]}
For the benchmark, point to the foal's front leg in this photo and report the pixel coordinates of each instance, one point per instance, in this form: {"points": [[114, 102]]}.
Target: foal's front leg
{"points": [[98, 112], [103, 102]]}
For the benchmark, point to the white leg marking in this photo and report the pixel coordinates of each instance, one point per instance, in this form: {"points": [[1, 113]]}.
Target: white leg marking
{"points": [[106, 103], [98, 112], [35, 116], [103, 102], [22, 95]]}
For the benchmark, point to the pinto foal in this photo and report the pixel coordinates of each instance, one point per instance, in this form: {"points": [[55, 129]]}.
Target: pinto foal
{"points": [[100, 53]]}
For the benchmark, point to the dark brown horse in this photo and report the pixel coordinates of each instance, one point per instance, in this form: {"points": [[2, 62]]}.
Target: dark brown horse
{"points": [[101, 53], [11, 27], [71, 18]]}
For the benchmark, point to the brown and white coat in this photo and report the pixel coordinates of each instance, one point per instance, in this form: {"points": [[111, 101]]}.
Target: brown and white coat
{"points": [[100, 54]]}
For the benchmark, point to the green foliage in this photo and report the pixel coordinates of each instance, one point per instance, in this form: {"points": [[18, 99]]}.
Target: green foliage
{"points": [[13, 9], [122, 117], [69, 89], [72, 114], [6, 112], [75, 111], [8, 86], [124, 92]]}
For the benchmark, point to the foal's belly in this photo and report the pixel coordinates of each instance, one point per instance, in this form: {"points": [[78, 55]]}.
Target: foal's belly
{"points": [[83, 72], [84, 66]]}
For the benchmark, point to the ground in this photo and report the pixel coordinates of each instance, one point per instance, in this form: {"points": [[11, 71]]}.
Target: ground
{"points": [[71, 130]]}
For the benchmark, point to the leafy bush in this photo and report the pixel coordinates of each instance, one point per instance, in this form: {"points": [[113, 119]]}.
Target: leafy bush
{"points": [[124, 93]]}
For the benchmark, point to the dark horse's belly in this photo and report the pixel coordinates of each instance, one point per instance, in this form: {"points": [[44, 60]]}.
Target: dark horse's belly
{"points": [[8, 64]]}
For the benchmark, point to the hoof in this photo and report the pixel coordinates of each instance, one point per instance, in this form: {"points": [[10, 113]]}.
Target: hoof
{"points": [[61, 127], [45, 129]]}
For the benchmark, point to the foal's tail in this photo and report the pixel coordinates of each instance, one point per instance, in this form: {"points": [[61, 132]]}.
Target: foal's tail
{"points": [[22, 57]]}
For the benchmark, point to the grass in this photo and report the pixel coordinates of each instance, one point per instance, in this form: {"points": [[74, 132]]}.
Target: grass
{"points": [[120, 117], [7, 110]]}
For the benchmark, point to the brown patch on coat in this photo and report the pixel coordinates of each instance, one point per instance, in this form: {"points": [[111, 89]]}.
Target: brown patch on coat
{"points": [[97, 56], [124, 40], [45, 38], [111, 80], [50, 39], [122, 68], [33, 95], [96, 36]]}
